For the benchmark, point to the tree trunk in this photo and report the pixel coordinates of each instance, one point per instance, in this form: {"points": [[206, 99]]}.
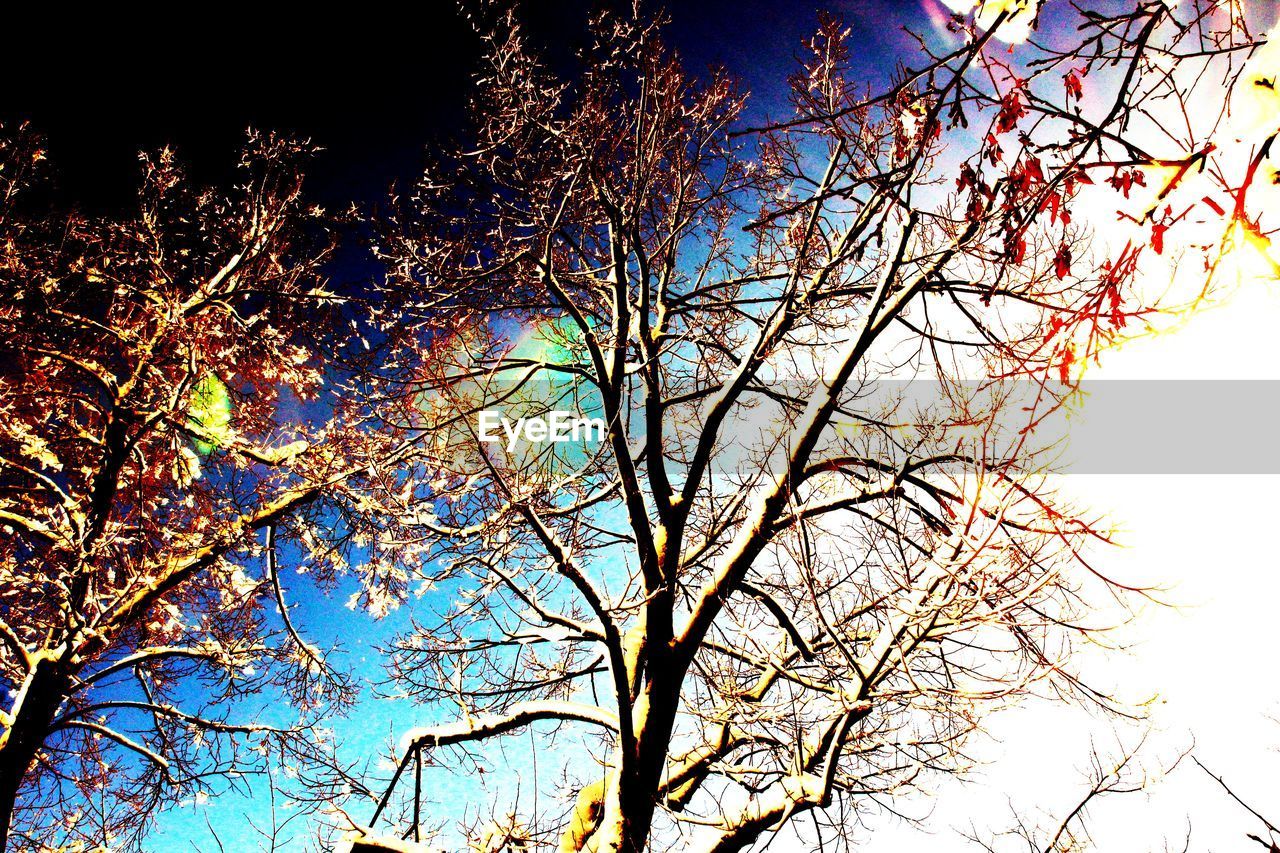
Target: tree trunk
{"points": [[638, 795], [33, 711]]}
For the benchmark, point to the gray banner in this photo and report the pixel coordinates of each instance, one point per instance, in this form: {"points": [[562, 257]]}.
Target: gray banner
{"points": [[1103, 427], [1173, 427]]}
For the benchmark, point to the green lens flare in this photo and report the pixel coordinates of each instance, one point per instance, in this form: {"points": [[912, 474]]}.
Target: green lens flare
{"points": [[210, 412]]}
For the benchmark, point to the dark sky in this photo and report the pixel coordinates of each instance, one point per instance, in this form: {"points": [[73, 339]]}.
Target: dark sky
{"points": [[372, 83]]}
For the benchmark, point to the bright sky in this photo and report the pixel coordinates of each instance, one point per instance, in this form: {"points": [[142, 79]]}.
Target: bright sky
{"points": [[1209, 540]]}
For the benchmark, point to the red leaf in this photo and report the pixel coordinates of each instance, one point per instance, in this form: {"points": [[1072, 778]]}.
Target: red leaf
{"points": [[1117, 315], [1034, 172], [1011, 109], [1015, 248], [1157, 238], [994, 152], [1072, 81], [1062, 261], [976, 209], [1064, 366], [1053, 202], [1055, 326]]}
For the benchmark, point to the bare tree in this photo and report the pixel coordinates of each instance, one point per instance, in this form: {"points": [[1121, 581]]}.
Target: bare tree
{"points": [[154, 471], [774, 586]]}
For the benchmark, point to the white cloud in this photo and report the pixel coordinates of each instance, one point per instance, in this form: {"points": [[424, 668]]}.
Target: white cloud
{"points": [[1016, 29]]}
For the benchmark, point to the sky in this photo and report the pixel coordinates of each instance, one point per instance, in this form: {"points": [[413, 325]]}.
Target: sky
{"points": [[1207, 660], [373, 87]]}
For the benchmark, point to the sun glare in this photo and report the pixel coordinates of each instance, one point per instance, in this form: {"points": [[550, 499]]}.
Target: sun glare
{"points": [[1247, 257]]}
